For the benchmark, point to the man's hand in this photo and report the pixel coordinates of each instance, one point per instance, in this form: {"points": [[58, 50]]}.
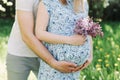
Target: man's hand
{"points": [[63, 66], [67, 67]]}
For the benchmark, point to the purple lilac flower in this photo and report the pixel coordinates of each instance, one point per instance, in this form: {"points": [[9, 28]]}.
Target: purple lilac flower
{"points": [[86, 26]]}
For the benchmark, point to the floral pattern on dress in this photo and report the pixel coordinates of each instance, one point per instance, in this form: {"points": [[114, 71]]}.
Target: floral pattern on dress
{"points": [[62, 22]]}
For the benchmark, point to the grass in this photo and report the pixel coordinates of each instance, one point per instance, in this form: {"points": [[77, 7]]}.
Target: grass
{"points": [[5, 27], [106, 61]]}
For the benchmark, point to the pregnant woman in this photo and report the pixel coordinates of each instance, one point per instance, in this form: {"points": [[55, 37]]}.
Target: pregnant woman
{"points": [[55, 25]]}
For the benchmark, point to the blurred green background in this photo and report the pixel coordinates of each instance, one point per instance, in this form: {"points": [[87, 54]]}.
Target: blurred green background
{"points": [[106, 61]]}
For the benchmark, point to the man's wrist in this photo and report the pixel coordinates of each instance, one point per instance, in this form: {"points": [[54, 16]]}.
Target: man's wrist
{"points": [[52, 63]]}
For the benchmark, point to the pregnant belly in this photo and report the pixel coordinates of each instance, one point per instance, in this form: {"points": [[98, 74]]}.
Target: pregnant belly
{"points": [[76, 54]]}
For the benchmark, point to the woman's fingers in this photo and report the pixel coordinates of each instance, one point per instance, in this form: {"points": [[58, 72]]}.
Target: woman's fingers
{"points": [[85, 65], [77, 39], [82, 66]]}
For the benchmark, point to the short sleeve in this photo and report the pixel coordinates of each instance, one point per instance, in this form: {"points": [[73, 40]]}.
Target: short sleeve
{"points": [[48, 5], [26, 5], [86, 6]]}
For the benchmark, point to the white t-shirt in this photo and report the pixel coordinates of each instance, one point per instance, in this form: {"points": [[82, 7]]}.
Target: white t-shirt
{"points": [[16, 45]]}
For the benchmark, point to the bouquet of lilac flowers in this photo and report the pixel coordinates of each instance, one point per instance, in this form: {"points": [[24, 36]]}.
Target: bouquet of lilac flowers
{"points": [[86, 26]]}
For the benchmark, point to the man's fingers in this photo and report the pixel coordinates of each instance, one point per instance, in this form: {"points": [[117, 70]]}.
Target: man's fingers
{"points": [[72, 65], [70, 69]]}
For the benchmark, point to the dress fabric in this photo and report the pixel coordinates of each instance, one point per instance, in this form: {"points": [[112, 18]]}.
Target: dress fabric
{"points": [[62, 22]]}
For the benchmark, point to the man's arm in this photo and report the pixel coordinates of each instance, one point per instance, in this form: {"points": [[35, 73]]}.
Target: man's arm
{"points": [[26, 23]]}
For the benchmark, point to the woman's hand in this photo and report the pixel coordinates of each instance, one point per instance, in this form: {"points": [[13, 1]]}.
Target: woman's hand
{"points": [[86, 64], [77, 40]]}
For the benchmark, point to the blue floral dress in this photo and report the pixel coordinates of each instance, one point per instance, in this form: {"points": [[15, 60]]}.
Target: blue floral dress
{"points": [[62, 22]]}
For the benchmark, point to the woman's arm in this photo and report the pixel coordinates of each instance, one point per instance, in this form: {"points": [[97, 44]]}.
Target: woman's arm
{"points": [[43, 35]]}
